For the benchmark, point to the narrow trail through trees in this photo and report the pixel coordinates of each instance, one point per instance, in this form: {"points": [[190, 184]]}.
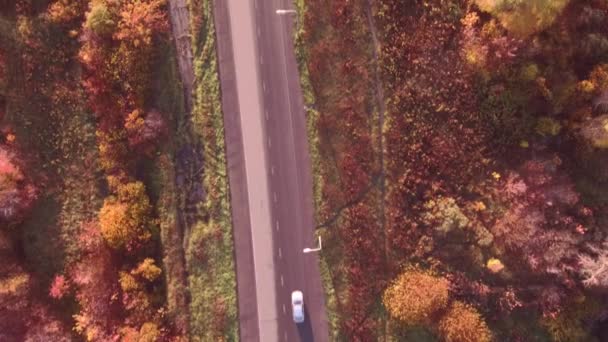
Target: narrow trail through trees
{"points": [[180, 27], [188, 162], [381, 107]]}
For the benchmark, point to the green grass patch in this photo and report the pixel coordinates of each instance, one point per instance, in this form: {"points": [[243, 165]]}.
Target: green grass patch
{"points": [[328, 259]]}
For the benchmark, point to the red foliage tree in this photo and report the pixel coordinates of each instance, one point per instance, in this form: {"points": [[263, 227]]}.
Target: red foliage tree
{"points": [[95, 278], [144, 131]]}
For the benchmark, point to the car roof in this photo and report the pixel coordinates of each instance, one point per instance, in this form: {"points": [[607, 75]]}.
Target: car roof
{"points": [[295, 295]]}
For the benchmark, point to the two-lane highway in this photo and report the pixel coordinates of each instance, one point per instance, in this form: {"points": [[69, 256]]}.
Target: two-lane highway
{"points": [[270, 172], [290, 178]]}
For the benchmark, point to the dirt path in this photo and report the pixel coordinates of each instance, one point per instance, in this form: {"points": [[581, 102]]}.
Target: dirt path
{"points": [[187, 160], [180, 26], [381, 105]]}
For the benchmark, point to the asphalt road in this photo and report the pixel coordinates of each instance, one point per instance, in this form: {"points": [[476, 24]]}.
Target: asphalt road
{"points": [[272, 213], [290, 179]]}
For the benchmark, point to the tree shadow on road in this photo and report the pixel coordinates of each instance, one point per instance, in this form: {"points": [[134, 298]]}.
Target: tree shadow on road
{"points": [[305, 329]]}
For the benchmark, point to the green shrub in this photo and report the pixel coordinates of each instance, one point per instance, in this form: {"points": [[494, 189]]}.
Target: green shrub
{"points": [[99, 19], [548, 126]]}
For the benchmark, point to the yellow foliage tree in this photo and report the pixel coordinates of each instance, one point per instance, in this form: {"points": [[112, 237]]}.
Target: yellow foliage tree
{"points": [[524, 18], [148, 332], [462, 323], [415, 296], [148, 270], [127, 282], [124, 218]]}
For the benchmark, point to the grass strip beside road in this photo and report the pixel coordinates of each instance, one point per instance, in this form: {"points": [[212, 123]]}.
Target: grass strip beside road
{"points": [[210, 250]]}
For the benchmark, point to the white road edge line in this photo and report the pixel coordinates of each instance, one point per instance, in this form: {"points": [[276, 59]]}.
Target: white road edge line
{"points": [[284, 310], [277, 225], [269, 143], [272, 171], [280, 254], [282, 281]]}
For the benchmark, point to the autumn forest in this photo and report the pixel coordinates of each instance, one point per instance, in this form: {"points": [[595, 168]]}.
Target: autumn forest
{"points": [[461, 164], [105, 215], [460, 169]]}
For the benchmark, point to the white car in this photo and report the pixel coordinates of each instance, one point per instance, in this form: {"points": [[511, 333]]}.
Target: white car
{"points": [[297, 306]]}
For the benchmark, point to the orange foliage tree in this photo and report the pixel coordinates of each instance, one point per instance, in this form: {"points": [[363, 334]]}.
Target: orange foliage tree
{"points": [[416, 296], [65, 11], [16, 194], [139, 20], [462, 323]]}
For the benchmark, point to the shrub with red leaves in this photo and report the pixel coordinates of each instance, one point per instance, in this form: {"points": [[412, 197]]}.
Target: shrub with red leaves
{"points": [[59, 287]]}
